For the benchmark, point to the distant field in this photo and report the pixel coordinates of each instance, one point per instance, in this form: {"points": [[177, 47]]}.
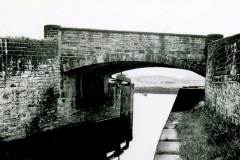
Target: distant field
{"points": [[156, 90]]}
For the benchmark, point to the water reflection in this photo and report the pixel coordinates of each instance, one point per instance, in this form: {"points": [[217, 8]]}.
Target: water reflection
{"points": [[93, 140], [150, 114]]}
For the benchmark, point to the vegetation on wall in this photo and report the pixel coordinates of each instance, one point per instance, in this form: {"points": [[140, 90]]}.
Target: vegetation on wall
{"points": [[208, 135]]}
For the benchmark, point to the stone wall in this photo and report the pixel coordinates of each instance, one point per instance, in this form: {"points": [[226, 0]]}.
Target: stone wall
{"points": [[35, 96], [223, 77], [29, 75]]}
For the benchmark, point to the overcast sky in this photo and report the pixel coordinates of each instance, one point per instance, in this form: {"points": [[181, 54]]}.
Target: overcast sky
{"points": [[27, 17]]}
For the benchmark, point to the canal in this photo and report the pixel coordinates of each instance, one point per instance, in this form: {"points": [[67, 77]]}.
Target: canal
{"points": [[150, 114]]}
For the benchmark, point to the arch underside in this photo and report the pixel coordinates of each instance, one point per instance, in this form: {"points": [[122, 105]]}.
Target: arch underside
{"points": [[110, 68], [123, 62]]}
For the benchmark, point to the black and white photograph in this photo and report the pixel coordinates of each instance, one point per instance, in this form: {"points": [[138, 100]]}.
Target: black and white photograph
{"points": [[120, 80]]}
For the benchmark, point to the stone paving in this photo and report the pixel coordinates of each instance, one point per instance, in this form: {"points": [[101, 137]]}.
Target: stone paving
{"points": [[169, 143]]}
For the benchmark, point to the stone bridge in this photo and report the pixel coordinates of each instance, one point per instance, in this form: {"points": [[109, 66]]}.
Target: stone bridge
{"points": [[94, 55], [54, 85], [116, 51]]}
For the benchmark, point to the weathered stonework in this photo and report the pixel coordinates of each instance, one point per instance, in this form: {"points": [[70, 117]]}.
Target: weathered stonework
{"points": [[28, 69], [59, 81], [223, 77], [91, 51], [82, 47], [35, 96]]}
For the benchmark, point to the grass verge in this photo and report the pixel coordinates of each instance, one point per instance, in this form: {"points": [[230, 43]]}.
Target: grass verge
{"points": [[206, 135]]}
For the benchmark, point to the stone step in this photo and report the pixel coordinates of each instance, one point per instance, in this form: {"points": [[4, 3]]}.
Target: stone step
{"points": [[167, 157], [169, 135], [168, 147], [170, 125]]}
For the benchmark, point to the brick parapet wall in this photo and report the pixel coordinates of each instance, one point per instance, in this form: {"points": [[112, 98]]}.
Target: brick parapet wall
{"points": [[223, 77], [29, 71], [101, 44]]}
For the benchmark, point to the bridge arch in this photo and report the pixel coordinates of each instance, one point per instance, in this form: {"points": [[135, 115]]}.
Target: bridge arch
{"points": [[119, 65], [88, 56], [93, 80]]}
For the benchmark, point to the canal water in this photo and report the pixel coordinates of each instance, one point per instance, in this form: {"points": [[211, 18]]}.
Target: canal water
{"points": [[150, 114]]}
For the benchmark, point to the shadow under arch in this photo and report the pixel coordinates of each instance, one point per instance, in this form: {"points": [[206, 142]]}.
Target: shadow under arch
{"points": [[92, 80], [119, 66]]}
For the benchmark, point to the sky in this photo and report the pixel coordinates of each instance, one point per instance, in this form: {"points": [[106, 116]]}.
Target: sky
{"points": [[168, 72], [27, 17]]}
